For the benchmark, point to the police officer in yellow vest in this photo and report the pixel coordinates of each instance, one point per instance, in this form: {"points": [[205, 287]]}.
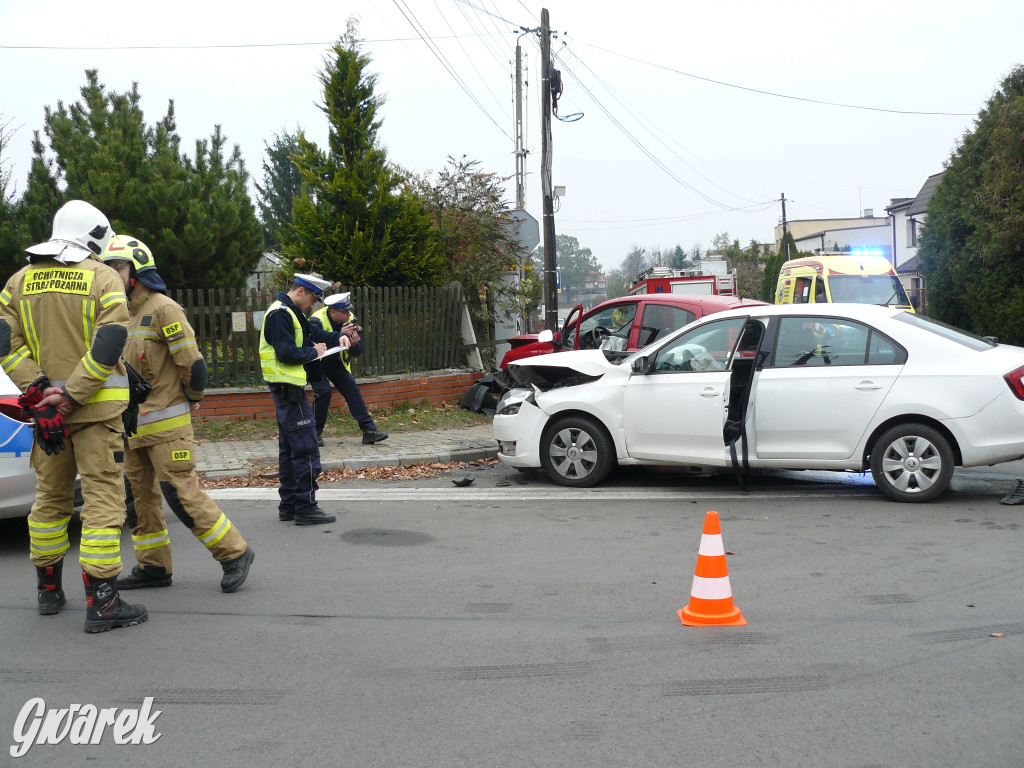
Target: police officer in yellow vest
{"points": [[63, 325], [287, 344], [162, 346], [336, 315]]}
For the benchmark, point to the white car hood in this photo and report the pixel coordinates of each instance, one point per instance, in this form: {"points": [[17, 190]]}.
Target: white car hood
{"points": [[560, 369], [591, 362]]}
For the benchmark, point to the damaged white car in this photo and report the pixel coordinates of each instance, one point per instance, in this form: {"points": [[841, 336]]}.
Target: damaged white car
{"points": [[844, 387]]}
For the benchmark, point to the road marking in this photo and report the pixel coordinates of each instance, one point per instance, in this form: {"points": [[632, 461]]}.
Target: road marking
{"points": [[474, 495]]}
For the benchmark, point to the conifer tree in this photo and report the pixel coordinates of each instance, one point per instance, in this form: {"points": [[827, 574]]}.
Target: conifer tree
{"points": [[42, 196], [357, 221], [11, 238], [972, 247], [195, 214], [281, 185]]}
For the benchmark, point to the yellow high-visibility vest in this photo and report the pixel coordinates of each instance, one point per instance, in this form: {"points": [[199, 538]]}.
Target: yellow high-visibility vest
{"points": [[325, 320], [274, 371]]}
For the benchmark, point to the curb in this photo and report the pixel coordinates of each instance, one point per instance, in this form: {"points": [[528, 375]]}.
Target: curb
{"points": [[330, 465]]}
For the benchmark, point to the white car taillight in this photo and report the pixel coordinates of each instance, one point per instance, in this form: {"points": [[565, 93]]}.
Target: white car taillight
{"points": [[1015, 381]]}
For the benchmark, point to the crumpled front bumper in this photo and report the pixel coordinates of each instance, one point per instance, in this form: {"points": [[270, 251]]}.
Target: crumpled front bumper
{"points": [[518, 424]]}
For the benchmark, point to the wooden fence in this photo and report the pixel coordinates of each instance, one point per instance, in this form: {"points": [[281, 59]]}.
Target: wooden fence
{"points": [[405, 329]]}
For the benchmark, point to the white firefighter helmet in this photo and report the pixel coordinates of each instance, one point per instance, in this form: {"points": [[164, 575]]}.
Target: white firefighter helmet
{"points": [[79, 229]]}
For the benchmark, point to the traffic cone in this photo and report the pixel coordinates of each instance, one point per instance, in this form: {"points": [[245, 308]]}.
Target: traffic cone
{"points": [[711, 596]]}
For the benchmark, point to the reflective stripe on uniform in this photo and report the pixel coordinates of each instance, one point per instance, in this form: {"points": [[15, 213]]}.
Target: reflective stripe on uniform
{"points": [[173, 410], [215, 534], [180, 345], [114, 388], [98, 370], [100, 546], [10, 362], [29, 328], [172, 417], [151, 540], [5, 297], [48, 538], [112, 298], [143, 333], [163, 426], [88, 321]]}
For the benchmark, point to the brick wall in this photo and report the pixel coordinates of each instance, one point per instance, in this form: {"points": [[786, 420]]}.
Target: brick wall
{"points": [[234, 404]]}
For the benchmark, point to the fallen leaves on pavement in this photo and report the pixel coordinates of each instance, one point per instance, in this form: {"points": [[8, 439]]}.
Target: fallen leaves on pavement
{"points": [[268, 479]]}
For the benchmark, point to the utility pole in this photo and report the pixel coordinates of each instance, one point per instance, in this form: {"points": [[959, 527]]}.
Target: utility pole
{"points": [[785, 229], [548, 223], [520, 142]]}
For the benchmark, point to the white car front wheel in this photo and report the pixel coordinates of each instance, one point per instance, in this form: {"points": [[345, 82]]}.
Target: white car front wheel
{"points": [[577, 451]]}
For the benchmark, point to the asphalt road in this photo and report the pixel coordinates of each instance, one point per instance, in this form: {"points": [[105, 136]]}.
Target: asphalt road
{"points": [[523, 625]]}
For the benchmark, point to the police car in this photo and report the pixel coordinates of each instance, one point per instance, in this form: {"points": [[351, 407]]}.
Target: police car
{"points": [[17, 478]]}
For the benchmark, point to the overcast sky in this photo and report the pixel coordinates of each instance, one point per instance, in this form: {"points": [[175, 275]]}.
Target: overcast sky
{"points": [[696, 115]]}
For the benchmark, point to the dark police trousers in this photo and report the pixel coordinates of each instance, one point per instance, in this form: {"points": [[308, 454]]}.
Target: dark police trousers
{"points": [[297, 451], [337, 374]]}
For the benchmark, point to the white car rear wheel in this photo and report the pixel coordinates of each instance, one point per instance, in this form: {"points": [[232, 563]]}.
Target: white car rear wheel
{"points": [[576, 451], [912, 463]]}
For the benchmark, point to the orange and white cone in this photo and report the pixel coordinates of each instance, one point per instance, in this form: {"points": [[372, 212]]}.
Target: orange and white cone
{"points": [[711, 595]]}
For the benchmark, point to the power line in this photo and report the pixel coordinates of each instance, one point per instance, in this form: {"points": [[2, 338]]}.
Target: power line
{"points": [[755, 208], [779, 95], [428, 41], [648, 123], [484, 10], [529, 11], [213, 46], [504, 62], [642, 147], [468, 57], [630, 225]]}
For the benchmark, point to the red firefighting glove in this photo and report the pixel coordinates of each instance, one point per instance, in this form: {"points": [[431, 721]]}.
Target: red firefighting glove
{"points": [[51, 429], [33, 395]]}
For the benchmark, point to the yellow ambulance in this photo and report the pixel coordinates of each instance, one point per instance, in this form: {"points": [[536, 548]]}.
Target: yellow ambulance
{"points": [[857, 277]]}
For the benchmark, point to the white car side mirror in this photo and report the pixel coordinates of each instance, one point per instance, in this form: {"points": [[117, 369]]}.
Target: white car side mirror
{"points": [[546, 336]]}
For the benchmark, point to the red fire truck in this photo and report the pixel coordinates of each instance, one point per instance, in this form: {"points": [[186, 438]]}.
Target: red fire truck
{"points": [[667, 280]]}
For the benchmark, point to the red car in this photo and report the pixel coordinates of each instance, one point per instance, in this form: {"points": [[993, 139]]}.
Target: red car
{"points": [[625, 324], [617, 326]]}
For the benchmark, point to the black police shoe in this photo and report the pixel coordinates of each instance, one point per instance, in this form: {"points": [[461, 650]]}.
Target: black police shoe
{"points": [[143, 576], [371, 436], [319, 441], [285, 515], [236, 570], [317, 517]]}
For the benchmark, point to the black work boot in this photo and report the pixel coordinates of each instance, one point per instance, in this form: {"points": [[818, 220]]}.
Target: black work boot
{"points": [[106, 610], [143, 576], [285, 514], [319, 441], [236, 570], [50, 591], [371, 436], [316, 517]]}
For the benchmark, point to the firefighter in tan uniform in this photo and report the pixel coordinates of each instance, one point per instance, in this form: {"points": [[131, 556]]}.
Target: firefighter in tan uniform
{"points": [[63, 325], [162, 347]]}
